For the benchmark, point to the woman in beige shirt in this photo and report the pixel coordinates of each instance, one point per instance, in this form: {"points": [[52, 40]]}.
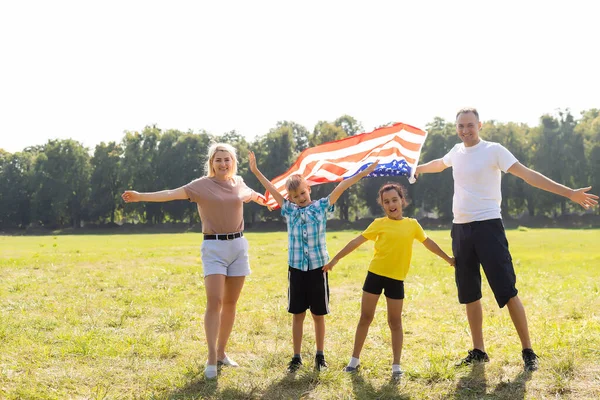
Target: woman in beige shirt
{"points": [[220, 196]]}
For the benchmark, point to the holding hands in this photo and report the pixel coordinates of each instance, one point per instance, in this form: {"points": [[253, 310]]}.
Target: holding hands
{"points": [[329, 266]]}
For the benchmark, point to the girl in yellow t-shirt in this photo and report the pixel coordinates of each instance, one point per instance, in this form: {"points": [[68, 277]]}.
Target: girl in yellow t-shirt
{"points": [[393, 236]]}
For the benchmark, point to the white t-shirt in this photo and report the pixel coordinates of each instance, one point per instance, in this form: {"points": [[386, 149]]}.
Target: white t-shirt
{"points": [[477, 176]]}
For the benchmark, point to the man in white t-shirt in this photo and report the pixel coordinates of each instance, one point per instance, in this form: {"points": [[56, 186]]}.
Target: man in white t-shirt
{"points": [[478, 236]]}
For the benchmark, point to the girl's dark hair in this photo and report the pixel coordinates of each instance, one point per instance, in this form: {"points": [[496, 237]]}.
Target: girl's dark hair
{"points": [[401, 190]]}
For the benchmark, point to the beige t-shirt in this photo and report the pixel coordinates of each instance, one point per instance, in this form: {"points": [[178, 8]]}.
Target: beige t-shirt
{"points": [[220, 204]]}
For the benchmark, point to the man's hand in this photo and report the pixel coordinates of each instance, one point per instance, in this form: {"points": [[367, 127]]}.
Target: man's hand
{"points": [[586, 200]]}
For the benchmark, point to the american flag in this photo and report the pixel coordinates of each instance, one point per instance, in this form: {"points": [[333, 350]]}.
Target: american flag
{"points": [[397, 147]]}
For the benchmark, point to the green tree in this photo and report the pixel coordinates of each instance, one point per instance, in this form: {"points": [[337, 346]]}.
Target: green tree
{"points": [[559, 154], [434, 192], [105, 185], [61, 183], [589, 128], [139, 171], [15, 187], [180, 160], [516, 138]]}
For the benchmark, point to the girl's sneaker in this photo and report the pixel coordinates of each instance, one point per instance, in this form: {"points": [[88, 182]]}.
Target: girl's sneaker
{"points": [[227, 361], [210, 372]]}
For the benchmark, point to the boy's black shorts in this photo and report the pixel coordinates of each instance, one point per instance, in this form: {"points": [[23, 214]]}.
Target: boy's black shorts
{"points": [[308, 290], [375, 284], [483, 243]]}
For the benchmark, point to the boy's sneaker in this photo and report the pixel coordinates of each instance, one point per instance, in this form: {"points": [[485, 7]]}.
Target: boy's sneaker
{"points": [[320, 363], [294, 365], [530, 359], [474, 356], [350, 369]]}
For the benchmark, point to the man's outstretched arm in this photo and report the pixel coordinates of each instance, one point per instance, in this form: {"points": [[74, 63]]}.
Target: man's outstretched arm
{"points": [[431, 167], [535, 179]]}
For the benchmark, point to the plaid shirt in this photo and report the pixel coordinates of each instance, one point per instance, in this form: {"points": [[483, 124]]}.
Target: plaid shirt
{"points": [[306, 226]]}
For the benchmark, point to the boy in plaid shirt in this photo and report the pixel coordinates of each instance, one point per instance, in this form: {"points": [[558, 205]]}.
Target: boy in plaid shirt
{"points": [[307, 254]]}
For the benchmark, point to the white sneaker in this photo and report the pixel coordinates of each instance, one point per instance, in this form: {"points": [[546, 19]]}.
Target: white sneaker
{"points": [[228, 361], [210, 372]]}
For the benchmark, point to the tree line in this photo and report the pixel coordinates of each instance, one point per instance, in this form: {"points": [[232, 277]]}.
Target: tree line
{"points": [[61, 183]]}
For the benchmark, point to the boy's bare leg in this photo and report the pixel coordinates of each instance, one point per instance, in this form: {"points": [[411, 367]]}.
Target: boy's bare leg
{"points": [[519, 319], [297, 330], [475, 317], [319, 321]]}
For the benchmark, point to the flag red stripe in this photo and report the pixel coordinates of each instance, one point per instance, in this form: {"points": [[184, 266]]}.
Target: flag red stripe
{"points": [[354, 140]]}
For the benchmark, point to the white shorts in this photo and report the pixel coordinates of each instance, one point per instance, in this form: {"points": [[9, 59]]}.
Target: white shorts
{"points": [[225, 257]]}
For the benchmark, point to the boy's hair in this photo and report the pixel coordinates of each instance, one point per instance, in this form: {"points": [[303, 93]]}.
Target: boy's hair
{"points": [[212, 150], [401, 190], [294, 181], [467, 110]]}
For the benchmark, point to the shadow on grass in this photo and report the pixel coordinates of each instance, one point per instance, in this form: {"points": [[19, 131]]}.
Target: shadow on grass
{"points": [[474, 385], [514, 389], [292, 386], [365, 390], [197, 388]]}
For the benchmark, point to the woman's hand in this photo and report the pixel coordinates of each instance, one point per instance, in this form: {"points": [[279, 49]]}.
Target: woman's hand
{"points": [[131, 196], [252, 162]]}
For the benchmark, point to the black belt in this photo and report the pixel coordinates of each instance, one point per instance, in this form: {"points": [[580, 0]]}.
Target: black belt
{"points": [[226, 236]]}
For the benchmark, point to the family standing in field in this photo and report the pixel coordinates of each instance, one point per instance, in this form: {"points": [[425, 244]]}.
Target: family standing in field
{"points": [[478, 240]]}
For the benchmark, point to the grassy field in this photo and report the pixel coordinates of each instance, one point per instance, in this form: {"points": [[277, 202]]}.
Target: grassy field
{"points": [[120, 317]]}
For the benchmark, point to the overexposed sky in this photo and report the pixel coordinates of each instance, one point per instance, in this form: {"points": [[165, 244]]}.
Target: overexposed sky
{"points": [[91, 70]]}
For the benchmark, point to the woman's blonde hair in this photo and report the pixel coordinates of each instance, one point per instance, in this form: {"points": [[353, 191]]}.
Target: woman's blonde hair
{"points": [[212, 150]]}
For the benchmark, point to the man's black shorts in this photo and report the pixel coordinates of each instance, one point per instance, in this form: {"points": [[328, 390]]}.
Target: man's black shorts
{"points": [[375, 284], [308, 290], [483, 243]]}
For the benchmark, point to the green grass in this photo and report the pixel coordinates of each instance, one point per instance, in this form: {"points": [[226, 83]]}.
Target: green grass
{"points": [[120, 317]]}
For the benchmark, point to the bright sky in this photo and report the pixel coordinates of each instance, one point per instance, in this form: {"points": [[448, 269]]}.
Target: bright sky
{"points": [[91, 70]]}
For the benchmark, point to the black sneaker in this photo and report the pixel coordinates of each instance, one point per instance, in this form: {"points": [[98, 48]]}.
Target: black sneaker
{"points": [[474, 356], [294, 365], [530, 359], [320, 363]]}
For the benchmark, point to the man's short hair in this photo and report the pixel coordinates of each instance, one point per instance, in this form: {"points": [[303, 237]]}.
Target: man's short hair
{"points": [[467, 110]]}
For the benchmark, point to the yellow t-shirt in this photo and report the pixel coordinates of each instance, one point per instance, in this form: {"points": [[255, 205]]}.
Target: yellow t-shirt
{"points": [[393, 245]]}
